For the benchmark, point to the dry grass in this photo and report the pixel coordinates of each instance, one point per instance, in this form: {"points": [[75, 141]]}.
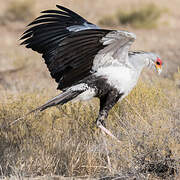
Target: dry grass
{"points": [[63, 141], [20, 10]]}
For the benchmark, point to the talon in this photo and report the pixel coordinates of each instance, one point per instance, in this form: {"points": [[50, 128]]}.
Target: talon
{"points": [[100, 121], [103, 128]]}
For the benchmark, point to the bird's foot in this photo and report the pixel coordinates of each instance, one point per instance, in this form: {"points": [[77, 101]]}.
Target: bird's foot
{"points": [[100, 122], [96, 124], [104, 130]]}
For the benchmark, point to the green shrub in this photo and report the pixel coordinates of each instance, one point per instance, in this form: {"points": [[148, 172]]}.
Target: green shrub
{"points": [[108, 21], [144, 17]]}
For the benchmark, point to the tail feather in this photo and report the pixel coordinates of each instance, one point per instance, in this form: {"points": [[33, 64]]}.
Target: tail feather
{"points": [[60, 99]]}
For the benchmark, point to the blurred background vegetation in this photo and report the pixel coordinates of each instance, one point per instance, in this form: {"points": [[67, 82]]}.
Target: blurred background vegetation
{"points": [[63, 141], [145, 16]]}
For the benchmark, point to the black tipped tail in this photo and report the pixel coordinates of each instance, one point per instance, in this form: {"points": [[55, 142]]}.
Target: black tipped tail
{"points": [[60, 99]]}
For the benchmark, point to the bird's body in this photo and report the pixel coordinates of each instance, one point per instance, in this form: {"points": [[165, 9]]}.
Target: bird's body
{"points": [[87, 61], [118, 77]]}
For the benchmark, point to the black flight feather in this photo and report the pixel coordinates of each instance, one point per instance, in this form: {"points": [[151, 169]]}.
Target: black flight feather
{"points": [[68, 54]]}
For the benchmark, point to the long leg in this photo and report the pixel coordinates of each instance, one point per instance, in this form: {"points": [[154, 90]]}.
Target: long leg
{"points": [[107, 101]]}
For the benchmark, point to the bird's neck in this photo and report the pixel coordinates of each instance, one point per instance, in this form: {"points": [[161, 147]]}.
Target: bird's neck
{"points": [[139, 60]]}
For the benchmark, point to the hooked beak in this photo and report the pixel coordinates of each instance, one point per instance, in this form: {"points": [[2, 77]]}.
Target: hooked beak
{"points": [[158, 68]]}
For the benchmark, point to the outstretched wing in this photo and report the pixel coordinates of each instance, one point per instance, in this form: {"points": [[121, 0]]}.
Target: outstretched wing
{"points": [[73, 47], [50, 29]]}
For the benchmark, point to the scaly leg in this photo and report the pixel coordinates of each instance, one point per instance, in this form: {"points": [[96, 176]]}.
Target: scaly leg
{"points": [[106, 103]]}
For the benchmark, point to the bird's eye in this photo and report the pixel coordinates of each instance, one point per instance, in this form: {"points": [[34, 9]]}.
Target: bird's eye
{"points": [[158, 63]]}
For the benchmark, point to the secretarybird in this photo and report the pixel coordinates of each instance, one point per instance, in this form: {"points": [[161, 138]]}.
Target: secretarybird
{"points": [[87, 61]]}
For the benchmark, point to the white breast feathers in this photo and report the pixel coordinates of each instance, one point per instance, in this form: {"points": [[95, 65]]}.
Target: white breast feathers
{"points": [[120, 77]]}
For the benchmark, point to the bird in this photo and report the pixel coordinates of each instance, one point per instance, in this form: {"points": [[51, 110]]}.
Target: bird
{"points": [[87, 61]]}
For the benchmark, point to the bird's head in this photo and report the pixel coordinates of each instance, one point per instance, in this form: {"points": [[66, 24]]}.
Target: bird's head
{"points": [[158, 65], [155, 62]]}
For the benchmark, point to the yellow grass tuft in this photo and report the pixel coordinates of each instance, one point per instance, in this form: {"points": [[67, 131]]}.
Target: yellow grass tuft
{"points": [[63, 141]]}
